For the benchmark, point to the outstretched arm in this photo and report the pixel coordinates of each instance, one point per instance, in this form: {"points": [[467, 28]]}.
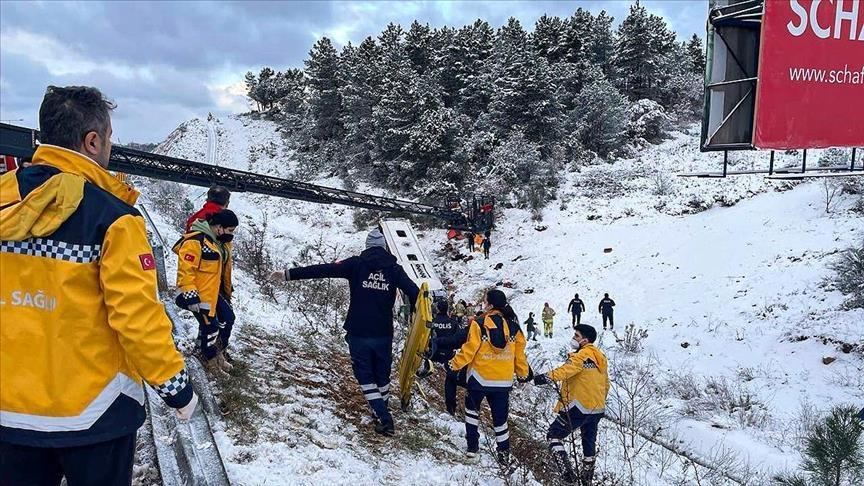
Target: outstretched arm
{"points": [[341, 269]]}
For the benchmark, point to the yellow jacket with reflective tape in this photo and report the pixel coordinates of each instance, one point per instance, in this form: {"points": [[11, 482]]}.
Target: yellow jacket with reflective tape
{"points": [[584, 381], [493, 354], [80, 323], [203, 267]]}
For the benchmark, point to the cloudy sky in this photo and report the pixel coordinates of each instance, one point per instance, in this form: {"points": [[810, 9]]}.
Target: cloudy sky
{"points": [[164, 63]]}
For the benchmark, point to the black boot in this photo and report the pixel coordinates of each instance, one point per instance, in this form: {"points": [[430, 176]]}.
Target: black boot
{"points": [[565, 469], [503, 458], [385, 428], [587, 473]]}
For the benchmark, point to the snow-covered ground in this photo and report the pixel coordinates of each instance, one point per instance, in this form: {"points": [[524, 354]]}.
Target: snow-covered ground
{"points": [[729, 295]]}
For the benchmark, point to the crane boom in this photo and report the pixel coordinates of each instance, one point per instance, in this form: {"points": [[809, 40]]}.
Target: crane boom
{"points": [[21, 142]]}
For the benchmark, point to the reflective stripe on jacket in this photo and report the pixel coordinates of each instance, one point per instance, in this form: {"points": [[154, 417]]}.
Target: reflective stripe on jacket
{"points": [[493, 354], [81, 321]]}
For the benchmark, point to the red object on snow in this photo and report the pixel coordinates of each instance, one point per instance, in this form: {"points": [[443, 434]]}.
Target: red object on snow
{"points": [[454, 234], [8, 163]]}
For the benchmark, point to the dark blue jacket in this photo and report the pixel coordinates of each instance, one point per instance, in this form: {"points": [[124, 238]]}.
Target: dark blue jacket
{"points": [[373, 277], [606, 306], [449, 336]]}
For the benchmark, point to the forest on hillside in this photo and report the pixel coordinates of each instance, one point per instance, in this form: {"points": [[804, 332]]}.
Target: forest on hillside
{"points": [[429, 112]]}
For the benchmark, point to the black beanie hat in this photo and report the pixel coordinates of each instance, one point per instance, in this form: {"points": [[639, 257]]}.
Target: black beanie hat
{"points": [[442, 306], [588, 332], [496, 298], [225, 218]]}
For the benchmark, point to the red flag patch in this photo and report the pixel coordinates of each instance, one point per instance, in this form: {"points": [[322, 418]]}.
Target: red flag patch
{"points": [[189, 257], [147, 261]]}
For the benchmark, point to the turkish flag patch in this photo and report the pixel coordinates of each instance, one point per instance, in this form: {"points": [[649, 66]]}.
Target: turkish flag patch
{"points": [[189, 257], [147, 261]]}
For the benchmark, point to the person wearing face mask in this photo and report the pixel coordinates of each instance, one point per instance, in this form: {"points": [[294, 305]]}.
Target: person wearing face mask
{"points": [[493, 354], [204, 278], [584, 384]]}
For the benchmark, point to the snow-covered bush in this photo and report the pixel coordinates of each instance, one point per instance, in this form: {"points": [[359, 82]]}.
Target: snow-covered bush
{"points": [[849, 276], [648, 121], [633, 339], [170, 199], [600, 115]]}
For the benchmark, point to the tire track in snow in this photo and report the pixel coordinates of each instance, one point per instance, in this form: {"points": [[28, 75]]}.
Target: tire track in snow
{"points": [[212, 138]]}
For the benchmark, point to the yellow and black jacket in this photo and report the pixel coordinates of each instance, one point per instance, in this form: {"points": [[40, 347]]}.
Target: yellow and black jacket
{"points": [[585, 381], [493, 353], [203, 268], [80, 323]]}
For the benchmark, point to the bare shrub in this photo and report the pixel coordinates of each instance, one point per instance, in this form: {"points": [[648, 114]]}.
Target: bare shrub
{"points": [[170, 199], [661, 184], [832, 190], [633, 340], [321, 303], [252, 253]]}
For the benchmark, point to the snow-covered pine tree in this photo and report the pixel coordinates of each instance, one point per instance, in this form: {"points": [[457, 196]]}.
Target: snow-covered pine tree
{"points": [[546, 40], [359, 87], [697, 54], [251, 82], [601, 114], [601, 44], [477, 41], [523, 97], [325, 101], [419, 45], [643, 42]]}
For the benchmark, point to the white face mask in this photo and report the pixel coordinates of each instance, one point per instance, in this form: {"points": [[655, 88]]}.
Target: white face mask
{"points": [[575, 344]]}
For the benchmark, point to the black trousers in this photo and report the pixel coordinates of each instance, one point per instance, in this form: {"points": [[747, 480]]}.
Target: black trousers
{"points": [[577, 318], [372, 360], [104, 464], [499, 405], [610, 319]]}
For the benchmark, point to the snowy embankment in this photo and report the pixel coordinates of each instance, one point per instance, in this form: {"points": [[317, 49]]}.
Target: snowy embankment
{"points": [[731, 294]]}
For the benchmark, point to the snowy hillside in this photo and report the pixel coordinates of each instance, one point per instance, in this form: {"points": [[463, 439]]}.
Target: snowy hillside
{"points": [[737, 320]]}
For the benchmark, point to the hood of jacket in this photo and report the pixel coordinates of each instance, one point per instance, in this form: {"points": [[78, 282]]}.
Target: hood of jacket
{"points": [[377, 257], [204, 227], [48, 206]]}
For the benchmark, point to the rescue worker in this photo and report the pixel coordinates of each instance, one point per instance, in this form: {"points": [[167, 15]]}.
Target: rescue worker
{"points": [[478, 241], [81, 321], [204, 264], [605, 308], [487, 243], [584, 385], [493, 354], [531, 327], [218, 198], [576, 307], [460, 310], [548, 316], [449, 336], [470, 237], [373, 277]]}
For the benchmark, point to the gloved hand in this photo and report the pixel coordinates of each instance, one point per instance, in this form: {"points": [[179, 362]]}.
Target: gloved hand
{"points": [[450, 371], [526, 379], [185, 413], [279, 275], [189, 300], [542, 379]]}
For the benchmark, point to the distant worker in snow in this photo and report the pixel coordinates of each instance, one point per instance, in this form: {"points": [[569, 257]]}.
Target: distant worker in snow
{"points": [[576, 307], [218, 198], [469, 236], [487, 243], [81, 321], [606, 309], [204, 264], [531, 327], [373, 277], [478, 241], [449, 336], [581, 403], [493, 354], [548, 316], [460, 310]]}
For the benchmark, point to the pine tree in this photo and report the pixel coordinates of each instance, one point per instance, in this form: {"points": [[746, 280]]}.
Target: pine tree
{"points": [[601, 46], [642, 44], [360, 88], [697, 54], [523, 97], [252, 87], [398, 109], [419, 47], [477, 41], [601, 115], [546, 40], [322, 70]]}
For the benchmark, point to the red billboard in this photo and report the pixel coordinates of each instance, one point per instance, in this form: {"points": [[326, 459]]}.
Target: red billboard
{"points": [[810, 92]]}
